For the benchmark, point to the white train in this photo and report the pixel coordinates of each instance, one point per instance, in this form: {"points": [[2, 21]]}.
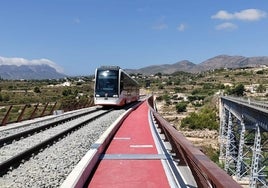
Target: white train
{"points": [[114, 87]]}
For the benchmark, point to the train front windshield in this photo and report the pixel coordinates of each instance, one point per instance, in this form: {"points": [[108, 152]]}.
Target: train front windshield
{"points": [[106, 83]]}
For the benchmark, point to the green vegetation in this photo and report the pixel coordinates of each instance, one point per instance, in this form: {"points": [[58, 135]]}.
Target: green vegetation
{"points": [[199, 89], [212, 153], [181, 107], [204, 119], [18, 93], [261, 88], [237, 90]]}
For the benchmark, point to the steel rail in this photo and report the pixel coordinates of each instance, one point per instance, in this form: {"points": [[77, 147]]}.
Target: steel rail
{"points": [[206, 172], [30, 132], [15, 160]]}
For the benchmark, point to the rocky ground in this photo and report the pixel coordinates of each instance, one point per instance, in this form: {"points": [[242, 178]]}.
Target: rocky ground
{"points": [[200, 138]]}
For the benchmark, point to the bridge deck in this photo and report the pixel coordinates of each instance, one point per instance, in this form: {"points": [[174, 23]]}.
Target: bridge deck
{"points": [[132, 159]]}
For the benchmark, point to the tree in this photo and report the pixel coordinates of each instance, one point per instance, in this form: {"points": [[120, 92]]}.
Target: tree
{"points": [[238, 90], [66, 92], [261, 88], [160, 86], [159, 74], [181, 107], [37, 90], [179, 89], [167, 99], [205, 119], [260, 72]]}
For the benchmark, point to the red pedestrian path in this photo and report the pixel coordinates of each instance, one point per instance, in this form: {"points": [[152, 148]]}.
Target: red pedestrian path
{"points": [[131, 159]]}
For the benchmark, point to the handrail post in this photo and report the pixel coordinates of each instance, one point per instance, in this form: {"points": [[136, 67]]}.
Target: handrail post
{"points": [[33, 113], [53, 108], [43, 112], [21, 114], [5, 119]]}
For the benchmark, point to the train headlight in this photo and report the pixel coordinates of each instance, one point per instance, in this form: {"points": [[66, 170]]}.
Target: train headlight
{"points": [[97, 95], [115, 96]]}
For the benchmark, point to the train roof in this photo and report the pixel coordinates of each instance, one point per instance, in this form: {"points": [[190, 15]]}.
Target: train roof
{"points": [[109, 68]]}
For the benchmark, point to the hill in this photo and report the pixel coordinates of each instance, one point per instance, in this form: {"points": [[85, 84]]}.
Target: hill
{"points": [[29, 72], [18, 68], [225, 61], [217, 62], [166, 68]]}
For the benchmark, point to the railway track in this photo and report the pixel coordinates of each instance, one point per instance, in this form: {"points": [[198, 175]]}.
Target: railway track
{"points": [[53, 148], [22, 127], [9, 135], [22, 145]]}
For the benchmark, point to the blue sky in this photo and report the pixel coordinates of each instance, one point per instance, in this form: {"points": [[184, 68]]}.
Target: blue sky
{"points": [[80, 35]]}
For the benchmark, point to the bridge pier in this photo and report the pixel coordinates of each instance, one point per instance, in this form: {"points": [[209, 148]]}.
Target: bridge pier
{"points": [[240, 169], [242, 142], [231, 154], [257, 168]]}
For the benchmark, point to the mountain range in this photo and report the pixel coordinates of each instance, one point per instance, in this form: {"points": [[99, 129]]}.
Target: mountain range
{"points": [[29, 72], [221, 61], [46, 71]]}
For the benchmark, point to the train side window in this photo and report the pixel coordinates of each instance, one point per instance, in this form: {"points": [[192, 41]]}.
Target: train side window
{"points": [[122, 82], [121, 86]]}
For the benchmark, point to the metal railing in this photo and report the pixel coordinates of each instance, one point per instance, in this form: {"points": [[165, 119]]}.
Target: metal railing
{"points": [[248, 101], [205, 171], [18, 113]]}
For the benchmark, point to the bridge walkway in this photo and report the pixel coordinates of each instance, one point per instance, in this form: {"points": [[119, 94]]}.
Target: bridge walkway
{"points": [[134, 157]]}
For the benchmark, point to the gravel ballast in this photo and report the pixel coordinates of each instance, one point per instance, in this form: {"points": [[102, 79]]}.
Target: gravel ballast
{"points": [[50, 167]]}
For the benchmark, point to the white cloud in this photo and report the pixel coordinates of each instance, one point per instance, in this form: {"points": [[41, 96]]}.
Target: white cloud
{"points": [[226, 26], [223, 15], [246, 15], [250, 15], [181, 27], [21, 61]]}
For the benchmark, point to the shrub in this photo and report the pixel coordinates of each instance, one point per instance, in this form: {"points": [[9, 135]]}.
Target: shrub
{"points": [[238, 90], [37, 90], [179, 89], [160, 87], [260, 72], [181, 107], [205, 119], [159, 98], [261, 88], [66, 92], [195, 97]]}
